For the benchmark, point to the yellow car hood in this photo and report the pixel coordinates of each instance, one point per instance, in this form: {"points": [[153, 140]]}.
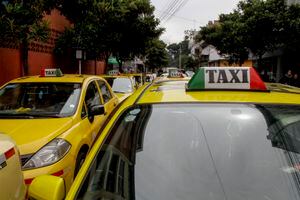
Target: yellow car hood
{"points": [[32, 134], [122, 96]]}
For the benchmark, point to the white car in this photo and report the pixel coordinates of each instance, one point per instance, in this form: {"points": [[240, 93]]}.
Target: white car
{"points": [[12, 185]]}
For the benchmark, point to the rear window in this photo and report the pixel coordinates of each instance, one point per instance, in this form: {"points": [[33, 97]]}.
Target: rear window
{"points": [[120, 85], [199, 151]]}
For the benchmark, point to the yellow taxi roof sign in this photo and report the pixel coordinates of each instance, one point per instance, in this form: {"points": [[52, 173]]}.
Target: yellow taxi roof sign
{"points": [[226, 78]]}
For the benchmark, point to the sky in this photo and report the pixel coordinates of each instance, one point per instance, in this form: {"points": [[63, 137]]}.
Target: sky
{"points": [[192, 15]]}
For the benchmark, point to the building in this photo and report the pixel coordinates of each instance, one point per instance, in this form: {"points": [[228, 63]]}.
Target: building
{"points": [[210, 56]]}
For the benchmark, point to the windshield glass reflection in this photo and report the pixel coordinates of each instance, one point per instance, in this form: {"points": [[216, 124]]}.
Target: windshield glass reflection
{"points": [[120, 85], [199, 151], [39, 99]]}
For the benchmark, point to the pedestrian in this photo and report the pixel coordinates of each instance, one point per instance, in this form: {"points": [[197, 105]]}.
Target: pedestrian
{"points": [[287, 78], [265, 76], [160, 72], [295, 80]]}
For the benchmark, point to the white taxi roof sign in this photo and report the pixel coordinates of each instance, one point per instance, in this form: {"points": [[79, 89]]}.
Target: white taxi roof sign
{"points": [[113, 72], [226, 78], [51, 72], [175, 74]]}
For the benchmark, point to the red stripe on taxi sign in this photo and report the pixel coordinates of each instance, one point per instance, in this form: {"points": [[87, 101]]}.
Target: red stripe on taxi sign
{"points": [[256, 82]]}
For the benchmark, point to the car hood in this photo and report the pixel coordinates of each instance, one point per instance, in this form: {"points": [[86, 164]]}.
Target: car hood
{"points": [[31, 134], [122, 96]]}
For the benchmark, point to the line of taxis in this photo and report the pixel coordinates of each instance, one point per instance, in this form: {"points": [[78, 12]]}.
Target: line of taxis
{"points": [[223, 134]]}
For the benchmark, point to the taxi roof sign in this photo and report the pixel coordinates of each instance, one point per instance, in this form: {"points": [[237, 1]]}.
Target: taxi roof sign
{"points": [[175, 74], [51, 73], [226, 78], [113, 72]]}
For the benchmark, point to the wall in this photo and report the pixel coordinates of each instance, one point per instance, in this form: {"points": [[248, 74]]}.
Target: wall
{"points": [[41, 54], [89, 67], [9, 64]]}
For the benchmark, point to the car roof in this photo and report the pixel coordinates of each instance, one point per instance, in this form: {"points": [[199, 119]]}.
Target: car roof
{"points": [[135, 74], [71, 78], [116, 76], [175, 92]]}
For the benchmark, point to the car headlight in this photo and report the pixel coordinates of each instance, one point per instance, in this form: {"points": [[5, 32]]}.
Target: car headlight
{"points": [[49, 154]]}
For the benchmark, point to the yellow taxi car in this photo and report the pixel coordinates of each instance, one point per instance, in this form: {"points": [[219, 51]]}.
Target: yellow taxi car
{"points": [[54, 119], [12, 185], [224, 135], [172, 75], [137, 78], [122, 86]]}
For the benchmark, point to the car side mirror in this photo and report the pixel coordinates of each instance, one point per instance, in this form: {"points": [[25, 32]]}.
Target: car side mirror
{"points": [[47, 187], [97, 110]]}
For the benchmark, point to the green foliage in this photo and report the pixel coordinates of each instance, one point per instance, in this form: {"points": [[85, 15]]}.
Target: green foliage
{"points": [[176, 49], [156, 54], [256, 25], [21, 22], [118, 28]]}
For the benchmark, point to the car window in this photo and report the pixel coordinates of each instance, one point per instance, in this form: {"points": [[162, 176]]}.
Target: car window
{"points": [[212, 151], [105, 91], [92, 97], [138, 80], [39, 99], [121, 85], [84, 111]]}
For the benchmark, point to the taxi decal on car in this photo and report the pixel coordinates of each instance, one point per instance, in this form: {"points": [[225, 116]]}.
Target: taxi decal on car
{"points": [[4, 157]]}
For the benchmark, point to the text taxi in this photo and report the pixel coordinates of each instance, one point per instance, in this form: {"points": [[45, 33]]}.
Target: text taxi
{"points": [[226, 135], [54, 119]]}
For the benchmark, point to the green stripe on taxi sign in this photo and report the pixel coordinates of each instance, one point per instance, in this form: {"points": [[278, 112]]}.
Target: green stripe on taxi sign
{"points": [[197, 80]]}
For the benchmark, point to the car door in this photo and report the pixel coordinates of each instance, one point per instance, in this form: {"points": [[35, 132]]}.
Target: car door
{"points": [[92, 98], [109, 100]]}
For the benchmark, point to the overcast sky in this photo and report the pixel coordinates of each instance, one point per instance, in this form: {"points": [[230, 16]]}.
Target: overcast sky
{"points": [[192, 15]]}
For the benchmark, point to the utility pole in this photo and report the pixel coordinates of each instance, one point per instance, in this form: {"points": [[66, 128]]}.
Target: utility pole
{"points": [[179, 56]]}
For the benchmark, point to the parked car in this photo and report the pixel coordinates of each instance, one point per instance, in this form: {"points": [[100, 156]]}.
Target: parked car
{"points": [[12, 185], [122, 86], [226, 135], [54, 120]]}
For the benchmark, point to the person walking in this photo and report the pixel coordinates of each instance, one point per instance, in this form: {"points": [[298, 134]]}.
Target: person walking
{"points": [[295, 80], [287, 78]]}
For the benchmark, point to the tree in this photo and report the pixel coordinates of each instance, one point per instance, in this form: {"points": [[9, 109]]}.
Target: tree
{"points": [[21, 22], [177, 51], [227, 36], [105, 28], [156, 55], [257, 26]]}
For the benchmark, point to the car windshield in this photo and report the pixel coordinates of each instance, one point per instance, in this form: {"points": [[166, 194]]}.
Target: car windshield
{"points": [[27, 100], [120, 85], [199, 151]]}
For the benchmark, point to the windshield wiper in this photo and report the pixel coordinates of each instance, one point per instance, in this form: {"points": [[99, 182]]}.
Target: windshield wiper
{"points": [[120, 92]]}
